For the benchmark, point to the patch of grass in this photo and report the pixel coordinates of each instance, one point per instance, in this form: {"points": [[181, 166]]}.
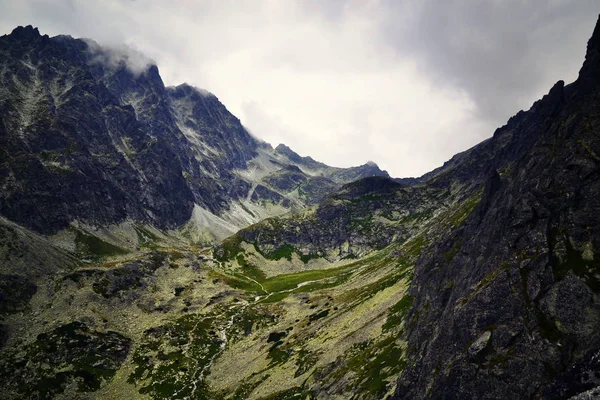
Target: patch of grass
{"points": [[238, 282], [286, 251], [417, 217], [290, 281], [279, 353], [275, 297], [415, 247], [246, 388], [318, 315], [70, 354], [164, 373], [95, 248], [375, 365], [305, 361], [589, 270], [252, 319], [146, 238], [307, 257], [293, 393], [464, 209], [398, 312], [250, 270], [362, 294]]}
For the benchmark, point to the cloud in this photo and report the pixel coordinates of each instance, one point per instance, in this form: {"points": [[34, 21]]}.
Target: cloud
{"points": [[115, 56], [505, 54], [404, 83]]}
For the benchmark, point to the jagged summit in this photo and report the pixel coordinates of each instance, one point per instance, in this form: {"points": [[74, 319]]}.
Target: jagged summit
{"points": [[295, 157], [590, 71], [25, 32], [189, 89], [104, 141]]}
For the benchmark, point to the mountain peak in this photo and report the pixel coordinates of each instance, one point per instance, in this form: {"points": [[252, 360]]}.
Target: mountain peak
{"points": [[594, 42], [283, 148], [590, 71], [27, 33], [291, 154]]}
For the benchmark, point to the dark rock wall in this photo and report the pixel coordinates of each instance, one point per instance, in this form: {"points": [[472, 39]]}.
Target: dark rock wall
{"points": [[515, 312]]}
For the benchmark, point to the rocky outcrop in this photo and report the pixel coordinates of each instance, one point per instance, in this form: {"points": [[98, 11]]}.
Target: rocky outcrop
{"points": [[361, 217]]}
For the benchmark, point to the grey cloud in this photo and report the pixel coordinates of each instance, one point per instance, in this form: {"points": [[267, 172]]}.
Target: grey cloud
{"points": [[115, 56], [505, 54]]}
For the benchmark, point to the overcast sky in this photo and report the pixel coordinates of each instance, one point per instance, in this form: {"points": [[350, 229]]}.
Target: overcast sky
{"points": [[406, 84]]}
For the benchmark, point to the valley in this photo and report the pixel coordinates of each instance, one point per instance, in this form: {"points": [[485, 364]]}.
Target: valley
{"points": [[152, 248]]}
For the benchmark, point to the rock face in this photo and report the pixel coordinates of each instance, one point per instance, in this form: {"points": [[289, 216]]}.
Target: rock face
{"points": [[88, 137], [520, 312]]}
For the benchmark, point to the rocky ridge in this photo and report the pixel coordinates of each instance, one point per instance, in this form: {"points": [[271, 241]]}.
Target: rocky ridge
{"points": [[86, 138]]}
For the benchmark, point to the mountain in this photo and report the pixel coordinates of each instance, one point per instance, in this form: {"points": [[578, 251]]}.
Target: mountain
{"points": [[507, 305], [87, 139], [479, 279]]}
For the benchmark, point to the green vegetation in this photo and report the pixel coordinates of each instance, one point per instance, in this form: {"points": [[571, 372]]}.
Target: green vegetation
{"points": [[15, 293], [70, 354], [374, 363], [279, 352], [417, 217], [293, 393], [88, 246], [587, 268], [238, 282], [146, 238], [318, 315], [284, 251], [364, 293], [249, 270], [398, 312], [250, 320], [275, 297], [461, 213], [229, 248], [169, 362], [305, 258], [291, 281], [415, 247], [244, 390]]}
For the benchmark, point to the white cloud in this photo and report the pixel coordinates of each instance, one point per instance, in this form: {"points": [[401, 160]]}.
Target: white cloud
{"points": [[328, 81]]}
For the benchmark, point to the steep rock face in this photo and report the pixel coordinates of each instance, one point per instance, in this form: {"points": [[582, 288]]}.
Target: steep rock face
{"points": [[508, 304], [70, 150]]}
